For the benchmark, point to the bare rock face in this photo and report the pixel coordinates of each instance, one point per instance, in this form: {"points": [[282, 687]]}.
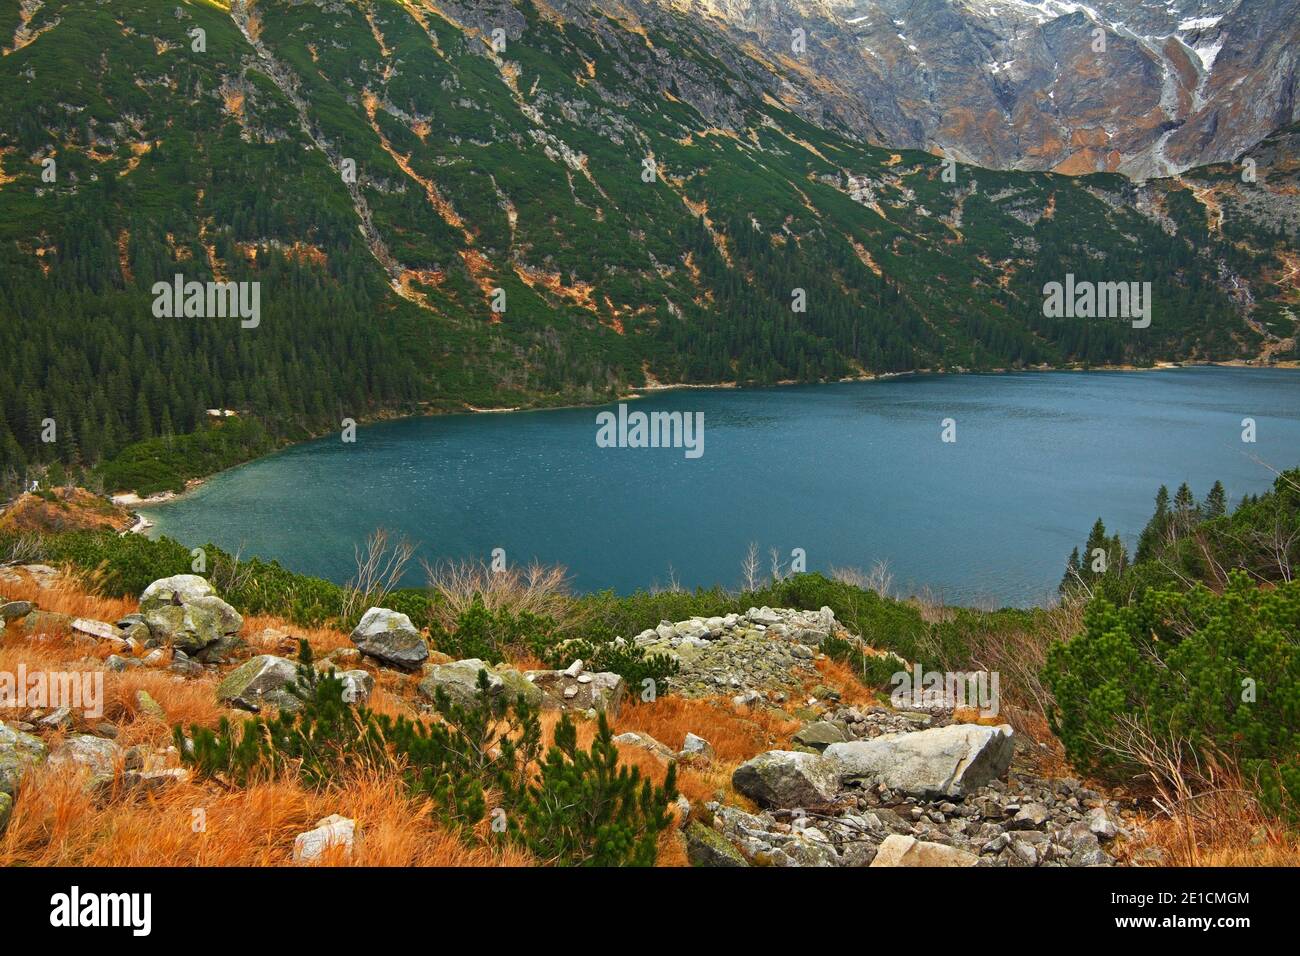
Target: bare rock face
{"points": [[1114, 85], [787, 778], [947, 761]]}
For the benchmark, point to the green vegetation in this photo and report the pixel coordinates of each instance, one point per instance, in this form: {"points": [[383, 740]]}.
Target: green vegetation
{"points": [[573, 807], [1180, 684], [1189, 660], [175, 162]]}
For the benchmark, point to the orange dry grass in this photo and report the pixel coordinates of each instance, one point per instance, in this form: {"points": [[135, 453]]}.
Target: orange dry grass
{"points": [[844, 679], [67, 597], [736, 734], [1225, 827], [56, 823]]}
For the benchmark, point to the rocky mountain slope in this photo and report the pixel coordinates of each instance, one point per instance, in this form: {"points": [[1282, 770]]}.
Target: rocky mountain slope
{"points": [[1140, 87], [801, 778], [511, 202]]}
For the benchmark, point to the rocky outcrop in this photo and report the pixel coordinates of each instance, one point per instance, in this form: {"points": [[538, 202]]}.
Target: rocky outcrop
{"points": [[579, 690], [184, 612], [390, 638], [943, 761]]}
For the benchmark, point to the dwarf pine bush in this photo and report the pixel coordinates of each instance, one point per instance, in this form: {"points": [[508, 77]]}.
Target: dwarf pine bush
{"points": [[492, 745], [583, 809], [1180, 682]]}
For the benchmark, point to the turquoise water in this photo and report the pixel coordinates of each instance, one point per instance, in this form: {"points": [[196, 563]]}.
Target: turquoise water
{"points": [[851, 473]]}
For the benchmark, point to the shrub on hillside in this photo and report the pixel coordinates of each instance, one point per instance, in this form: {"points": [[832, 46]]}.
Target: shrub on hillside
{"points": [[574, 807], [583, 809], [1180, 682]]}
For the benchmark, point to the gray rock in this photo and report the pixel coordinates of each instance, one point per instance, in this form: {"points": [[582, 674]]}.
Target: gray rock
{"points": [[201, 621], [97, 756], [391, 638], [820, 735], [12, 610], [177, 589], [947, 761], [6, 810], [695, 747], [635, 738], [1031, 816], [260, 682], [787, 778], [18, 751], [459, 680], [705, 847], [1100, 824]]}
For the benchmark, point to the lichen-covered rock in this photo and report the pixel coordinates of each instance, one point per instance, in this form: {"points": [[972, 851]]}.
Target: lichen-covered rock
{"points": [[786, 778], [820, 734], [947, 761], [6, 810], [177, 589], [18, 752], [97, 756], [183, 611], [390, 638], [264, 680], [12, 610], [634, 738], [706, 847]]}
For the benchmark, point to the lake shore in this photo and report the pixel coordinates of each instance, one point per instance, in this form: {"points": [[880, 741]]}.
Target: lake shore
{"points": [[130, 499]]}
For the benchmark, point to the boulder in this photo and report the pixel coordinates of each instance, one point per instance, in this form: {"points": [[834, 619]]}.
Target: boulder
{"points": [[897, 850], [357, 686], [820, 734], [950, 761], [331, 831], [261, 681], [1100, 824], [603, 692], [697, 748], [6, 810], [786, 778], [198, 623], [459, 680], [18, 751], [47, 622], [705, 847], [99, 757], [12, 610], [390, 638], [148, 706], [178, 589]]}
